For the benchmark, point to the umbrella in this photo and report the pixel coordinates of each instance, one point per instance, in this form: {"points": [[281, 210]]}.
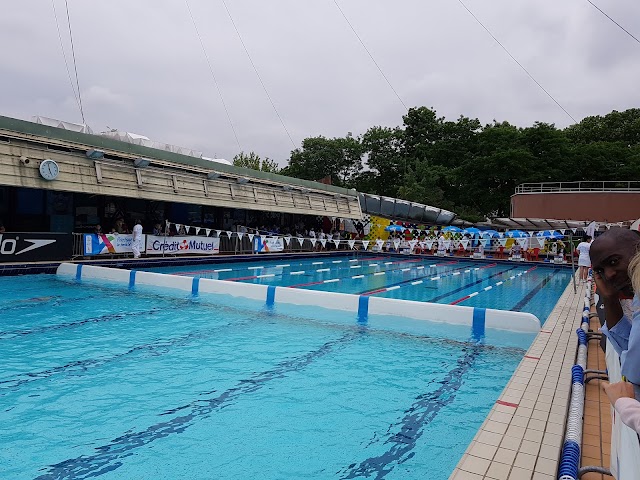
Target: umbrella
{"points": [[471, 231], [451, 229], [489, 233], [550, 234], [395, 228]]}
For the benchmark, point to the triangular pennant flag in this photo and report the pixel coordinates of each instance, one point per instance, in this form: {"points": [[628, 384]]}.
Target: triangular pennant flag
{"points": [[207, 231], [337, 242], [178, 225], [413, 243], [464, 243], [500, 234], [379, 243], [300, 240], [429, 244], [510, 234], [240, 235], [530, 234], [287, 240], [522, 242], [502, 241], [323, 242], [251, 235], [313, 241], [351, 243], [228, 233], [365, 244], [218, 232], [574, 230], [487, 242], [396, 244], [197, 230], [263, 238], [447, 244]]}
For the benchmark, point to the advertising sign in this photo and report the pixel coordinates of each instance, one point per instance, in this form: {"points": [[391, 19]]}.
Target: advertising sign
{"points": [[108, 243], [268, 244], [182, 245], [35, 247]]}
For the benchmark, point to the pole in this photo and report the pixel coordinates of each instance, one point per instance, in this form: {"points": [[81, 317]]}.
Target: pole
{"points": [[573, 267]]}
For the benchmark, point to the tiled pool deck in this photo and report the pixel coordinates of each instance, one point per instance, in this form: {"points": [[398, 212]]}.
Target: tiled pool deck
{"points": [[522, 437]]}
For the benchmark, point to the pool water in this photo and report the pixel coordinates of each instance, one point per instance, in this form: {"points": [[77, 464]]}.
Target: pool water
{"points": [[110, 383], [505, 286]]}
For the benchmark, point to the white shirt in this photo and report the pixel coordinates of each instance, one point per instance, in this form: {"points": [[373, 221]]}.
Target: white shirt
{"points": [[137, 231]]}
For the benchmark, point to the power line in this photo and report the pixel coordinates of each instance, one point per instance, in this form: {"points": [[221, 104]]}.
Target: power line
{"points": [[73, 88], [213, 75], [623, 29], [75, 66], [519, 64], [369, 53], [258, 75]]}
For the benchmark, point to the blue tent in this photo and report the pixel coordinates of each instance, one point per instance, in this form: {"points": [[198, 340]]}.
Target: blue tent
{"points": [[451, 229]]}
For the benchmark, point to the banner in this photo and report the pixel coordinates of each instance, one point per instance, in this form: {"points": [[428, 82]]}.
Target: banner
{"points": [[108, 243], [35, 247], [263, 244], [182, 245]]}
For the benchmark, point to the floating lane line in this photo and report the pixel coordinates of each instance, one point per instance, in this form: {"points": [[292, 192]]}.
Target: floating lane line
{"points": [[317, 263], [299, 272], [266, 275], [255, 268], [282, 266], [476, 282], [486, 289], [358, 276]]}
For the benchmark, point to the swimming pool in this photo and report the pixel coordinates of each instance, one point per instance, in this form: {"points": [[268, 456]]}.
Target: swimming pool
{"points": [[506, 286], [119, 384]]}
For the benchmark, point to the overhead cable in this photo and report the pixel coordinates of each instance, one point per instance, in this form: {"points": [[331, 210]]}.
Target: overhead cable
{"points": [[213, 75], [75, 65], [73, 88], [258, 75], [519, 64], [370, 55], [620, 26]]}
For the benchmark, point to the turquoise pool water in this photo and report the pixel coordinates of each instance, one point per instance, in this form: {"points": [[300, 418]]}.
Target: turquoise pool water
{"points": [[504, 286], [105, 382]]}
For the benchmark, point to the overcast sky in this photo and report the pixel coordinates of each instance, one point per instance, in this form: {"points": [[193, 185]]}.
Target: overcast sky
{"points": [[141, 67]]}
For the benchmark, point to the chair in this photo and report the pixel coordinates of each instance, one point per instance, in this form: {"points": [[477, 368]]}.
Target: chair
{"points": [[500, 252], [534, 254]]}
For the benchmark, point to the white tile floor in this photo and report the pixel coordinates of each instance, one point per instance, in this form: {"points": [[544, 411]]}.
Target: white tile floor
{"points": [[522, 436]]}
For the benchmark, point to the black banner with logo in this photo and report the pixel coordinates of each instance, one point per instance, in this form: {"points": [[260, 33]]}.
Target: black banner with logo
{"points": [[35, 247]]}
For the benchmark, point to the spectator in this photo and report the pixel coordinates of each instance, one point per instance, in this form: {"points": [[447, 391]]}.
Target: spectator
{"points": [[157, 229], [611, 254], [97, 230], [584, 261], [137, 244]]}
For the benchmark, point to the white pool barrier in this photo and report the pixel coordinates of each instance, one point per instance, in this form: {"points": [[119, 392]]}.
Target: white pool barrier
{"points": [[361, 306]]}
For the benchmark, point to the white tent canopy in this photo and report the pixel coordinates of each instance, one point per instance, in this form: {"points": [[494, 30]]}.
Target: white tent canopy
{"points": [[52, 122]]}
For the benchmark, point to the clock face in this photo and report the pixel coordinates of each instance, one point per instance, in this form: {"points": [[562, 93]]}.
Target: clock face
{"points": [[49, 169]]}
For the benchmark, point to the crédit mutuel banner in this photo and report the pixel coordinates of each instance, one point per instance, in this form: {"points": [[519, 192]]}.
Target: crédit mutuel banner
{"points": [[182, 245]]}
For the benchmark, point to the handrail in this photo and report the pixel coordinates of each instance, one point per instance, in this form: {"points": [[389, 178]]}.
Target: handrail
{"points": [[580, 186]]}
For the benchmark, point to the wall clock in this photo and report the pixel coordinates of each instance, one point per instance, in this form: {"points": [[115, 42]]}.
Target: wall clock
{"points": [[49, 169]]}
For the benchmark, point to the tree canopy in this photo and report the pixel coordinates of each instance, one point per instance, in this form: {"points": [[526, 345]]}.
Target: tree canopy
{"points": [[254, 162], [469, 168]]}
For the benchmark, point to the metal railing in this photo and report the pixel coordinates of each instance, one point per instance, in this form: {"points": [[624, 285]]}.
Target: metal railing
{"points": [[581, 186]]}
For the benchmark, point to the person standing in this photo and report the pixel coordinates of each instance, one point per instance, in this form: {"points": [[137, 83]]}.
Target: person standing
{"points": [[584, 261], [136, 244]]}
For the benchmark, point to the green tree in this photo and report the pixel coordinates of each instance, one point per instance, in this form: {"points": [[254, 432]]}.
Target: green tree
{"points": [[254, 162]]}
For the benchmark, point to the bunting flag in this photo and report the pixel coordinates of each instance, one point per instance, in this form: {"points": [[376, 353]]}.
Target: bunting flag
{"points": [[564, 232], [287, 240], [178, 225], [351, 243], [510, 234], [207, 231], [313, 242], [263, 238], [218, 232], [530, 234], [379, 243], [447, 244], [300, 240], [574, 230], [429, 244], [240, 235], [228, 233], [251, 235], [412, 244], [502, 242], [337, 243], [464, 243], [523, 242], [365, 244], [323, 242], [396, 244], [487, 242], [500, 234]]}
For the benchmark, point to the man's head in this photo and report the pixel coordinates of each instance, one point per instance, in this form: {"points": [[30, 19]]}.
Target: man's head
{"points": [[610, 255]]}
